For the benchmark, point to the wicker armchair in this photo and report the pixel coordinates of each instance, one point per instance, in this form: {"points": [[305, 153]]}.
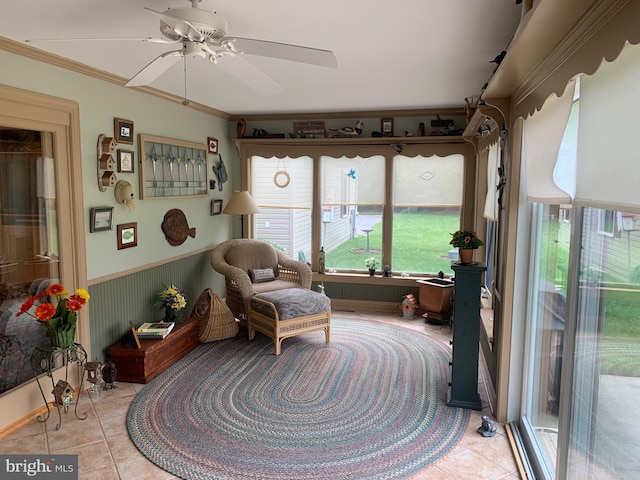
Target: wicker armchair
{"points": [[236, 259]]}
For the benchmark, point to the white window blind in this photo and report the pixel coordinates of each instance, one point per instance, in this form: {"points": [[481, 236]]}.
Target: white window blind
{"points": [[353, 181], [608, 155], [428, 181], [543, 133]]}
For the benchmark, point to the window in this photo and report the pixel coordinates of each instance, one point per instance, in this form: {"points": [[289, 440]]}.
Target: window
{"points": [[399, 209], [605, 223], [31, 243], [353, 190], [427, 203], [284, 219]]}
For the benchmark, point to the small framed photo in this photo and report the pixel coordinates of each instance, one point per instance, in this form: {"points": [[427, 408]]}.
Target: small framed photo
{"points": [[127, 235], [212, 145], [125, 161], [123, 130], [386, 125], [216, 207], [101, 219]]}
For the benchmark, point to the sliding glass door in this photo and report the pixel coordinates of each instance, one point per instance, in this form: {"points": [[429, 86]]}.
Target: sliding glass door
{"points": [[546, 332], [582, 386], [604, 432]]}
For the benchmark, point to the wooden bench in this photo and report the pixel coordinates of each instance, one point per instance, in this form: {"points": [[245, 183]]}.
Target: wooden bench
{"points": [[289, 312]]}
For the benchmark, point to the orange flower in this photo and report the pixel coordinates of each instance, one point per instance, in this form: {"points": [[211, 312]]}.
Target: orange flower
{"points": [[27, 305], [44, 312], [73, 304], [55, 289]]}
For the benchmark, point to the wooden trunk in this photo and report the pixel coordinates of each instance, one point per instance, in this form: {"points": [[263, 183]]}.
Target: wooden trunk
{"points": [[141, 365]]}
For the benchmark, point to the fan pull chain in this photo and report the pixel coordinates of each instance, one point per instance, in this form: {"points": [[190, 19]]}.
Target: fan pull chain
{"points": [[185, 102]]}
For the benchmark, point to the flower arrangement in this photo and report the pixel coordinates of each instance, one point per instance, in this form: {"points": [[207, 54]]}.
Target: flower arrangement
{"points": [[371, 263], [58, 319], [466, 239], [173, 300]]}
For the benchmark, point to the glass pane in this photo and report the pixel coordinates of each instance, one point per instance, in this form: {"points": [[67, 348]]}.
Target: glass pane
{"points": [[29, 253], [352, 202], [283, 188], [605, 423], [427, 194], [546, 325]]}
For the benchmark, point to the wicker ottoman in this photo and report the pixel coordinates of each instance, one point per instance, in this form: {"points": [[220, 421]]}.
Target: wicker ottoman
{"points": [[289, 312]]}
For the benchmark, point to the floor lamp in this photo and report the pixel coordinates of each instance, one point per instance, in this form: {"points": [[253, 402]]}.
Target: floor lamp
{"points": [[241, 203]]}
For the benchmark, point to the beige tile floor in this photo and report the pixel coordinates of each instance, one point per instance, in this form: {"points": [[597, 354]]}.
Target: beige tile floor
{"points": [[106, 452]]}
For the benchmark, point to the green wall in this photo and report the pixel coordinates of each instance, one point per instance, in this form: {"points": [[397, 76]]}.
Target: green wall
{"points": [[132, 297]]}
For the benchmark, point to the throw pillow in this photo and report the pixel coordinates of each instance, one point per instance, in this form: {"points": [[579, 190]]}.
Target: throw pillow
{"points": [[260, 275]]}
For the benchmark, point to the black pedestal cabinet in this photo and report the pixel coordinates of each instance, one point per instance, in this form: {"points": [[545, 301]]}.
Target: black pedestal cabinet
{"points": [[463, 391]]}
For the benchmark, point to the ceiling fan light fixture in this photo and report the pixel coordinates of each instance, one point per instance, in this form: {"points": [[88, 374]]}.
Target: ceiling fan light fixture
{"points": [[209, 24], [194, 50]]}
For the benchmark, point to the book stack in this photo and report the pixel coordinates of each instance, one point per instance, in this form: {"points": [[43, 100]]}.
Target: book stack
{"points": [[155, 330]]}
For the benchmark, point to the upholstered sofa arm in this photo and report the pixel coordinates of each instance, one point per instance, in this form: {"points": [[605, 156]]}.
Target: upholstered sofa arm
{"points": [[301, 270]]}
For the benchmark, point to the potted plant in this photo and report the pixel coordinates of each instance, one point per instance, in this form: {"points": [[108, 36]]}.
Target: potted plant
{"points": [[371, 264], [57, 312], [173, 300], [466, 241]]}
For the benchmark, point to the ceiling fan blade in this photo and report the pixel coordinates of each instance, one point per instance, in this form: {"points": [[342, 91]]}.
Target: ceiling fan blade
{"points": [[285, 51], [154, 69], [181, 27], [126, 39], [250, 75]]}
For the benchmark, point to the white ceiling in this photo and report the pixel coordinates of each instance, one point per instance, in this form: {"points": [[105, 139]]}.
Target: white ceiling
{"points": [[403, 54]]}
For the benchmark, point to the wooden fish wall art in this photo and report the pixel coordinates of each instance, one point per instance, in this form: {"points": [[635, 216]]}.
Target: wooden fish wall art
{"points": [[176, 228]]}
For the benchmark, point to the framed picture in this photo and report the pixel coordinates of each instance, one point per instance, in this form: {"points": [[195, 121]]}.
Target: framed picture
{"points": [[101, 219], [127, 235], [125, 161], [212, 145], [216, 207], [123, 130], [386, 125]]}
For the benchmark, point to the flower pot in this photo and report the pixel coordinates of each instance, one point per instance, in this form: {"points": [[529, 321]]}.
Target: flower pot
{"points": [[171, 315], [466, 255], [62, 337], [372, 272]]}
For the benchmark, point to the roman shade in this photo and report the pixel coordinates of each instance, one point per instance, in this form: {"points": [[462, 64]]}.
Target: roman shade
{"points": [[491, 200], [608, 161], [428, 181], [542, 136]]}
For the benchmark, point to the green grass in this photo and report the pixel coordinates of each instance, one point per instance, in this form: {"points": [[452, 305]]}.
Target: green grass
{"points": [[621, 333], [420, 244]]}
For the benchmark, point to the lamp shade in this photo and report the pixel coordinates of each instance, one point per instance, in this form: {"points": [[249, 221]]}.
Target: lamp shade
{"points": [[241, 203]]}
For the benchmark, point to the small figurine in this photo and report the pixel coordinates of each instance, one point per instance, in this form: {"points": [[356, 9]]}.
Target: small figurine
{"points": [[93, 376], [321, 260], [109, 375], [408, 307], [63, 393], [488, 428]]}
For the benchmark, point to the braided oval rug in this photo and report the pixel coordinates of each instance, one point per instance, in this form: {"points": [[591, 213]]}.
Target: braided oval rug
{"points": [[369, 405]]}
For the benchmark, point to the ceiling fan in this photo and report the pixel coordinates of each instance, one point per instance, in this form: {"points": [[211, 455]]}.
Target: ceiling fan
{"points": [[203, 34]]}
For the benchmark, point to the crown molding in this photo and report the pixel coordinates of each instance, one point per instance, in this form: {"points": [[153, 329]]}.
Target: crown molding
{"points": [[33, 53]]}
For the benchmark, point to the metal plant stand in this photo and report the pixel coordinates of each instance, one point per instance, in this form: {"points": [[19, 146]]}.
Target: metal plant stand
{"points": [[44, 359]]}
